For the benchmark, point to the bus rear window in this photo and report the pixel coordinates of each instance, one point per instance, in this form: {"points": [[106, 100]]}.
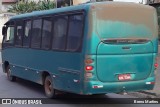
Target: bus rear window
{"points": [[125, 21]]}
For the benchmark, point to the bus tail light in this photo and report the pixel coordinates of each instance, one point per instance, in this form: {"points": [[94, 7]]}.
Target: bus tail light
{"points": [[89, 75], [89, 68], [89, 61]]}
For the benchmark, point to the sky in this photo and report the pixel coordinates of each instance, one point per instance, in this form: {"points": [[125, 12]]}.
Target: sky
{"points": [[137, 1]]}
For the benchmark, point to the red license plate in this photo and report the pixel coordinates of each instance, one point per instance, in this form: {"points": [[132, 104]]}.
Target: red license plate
{"points": [[123, 77]]}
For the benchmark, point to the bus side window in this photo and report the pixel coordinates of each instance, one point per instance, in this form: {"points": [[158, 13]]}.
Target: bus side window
{"points": [[27, 33], [8, 39], [36, 33], [75, 32], [19, 33], [46, 33], [60, 32]]}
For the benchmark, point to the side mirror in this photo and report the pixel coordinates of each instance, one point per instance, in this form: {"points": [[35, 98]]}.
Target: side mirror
{"points": [[4, 30]]}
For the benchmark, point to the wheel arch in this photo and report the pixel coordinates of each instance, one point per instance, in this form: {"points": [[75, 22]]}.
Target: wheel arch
{"points": [[5, 65], [44, 75]]}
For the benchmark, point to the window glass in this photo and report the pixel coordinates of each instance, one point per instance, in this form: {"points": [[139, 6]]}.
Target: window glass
{"points": [[27, 33], [75, 32], [36, 33], [10, 35], [19, 33], [60, 31], [46, 33]]}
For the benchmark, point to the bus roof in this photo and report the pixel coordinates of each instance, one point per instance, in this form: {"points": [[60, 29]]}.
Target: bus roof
{"points": [[84, 6], [51, 11]]}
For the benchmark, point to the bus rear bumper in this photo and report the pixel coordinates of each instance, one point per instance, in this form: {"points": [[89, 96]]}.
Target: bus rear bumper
{"points": [[98, 87]]}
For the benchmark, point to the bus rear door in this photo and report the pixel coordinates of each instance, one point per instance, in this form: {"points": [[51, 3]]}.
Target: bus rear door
{"points": [[128, 35]]}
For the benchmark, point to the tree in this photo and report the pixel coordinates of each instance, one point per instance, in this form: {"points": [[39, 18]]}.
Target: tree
{"points": [[45, 5], [24, 6]]}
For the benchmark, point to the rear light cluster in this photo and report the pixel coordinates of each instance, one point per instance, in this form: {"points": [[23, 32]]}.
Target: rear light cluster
{"points": [[89, 67], [89, 61]]}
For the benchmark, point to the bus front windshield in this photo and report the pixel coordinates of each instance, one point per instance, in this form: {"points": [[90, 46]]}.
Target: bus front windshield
{"points": [[125, 21]]}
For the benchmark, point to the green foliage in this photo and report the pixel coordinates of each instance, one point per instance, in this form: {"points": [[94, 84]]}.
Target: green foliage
{"points": [[45, 5], [29, 6]]}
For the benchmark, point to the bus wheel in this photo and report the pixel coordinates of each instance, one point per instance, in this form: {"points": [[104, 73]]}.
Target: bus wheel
{"points": [[48, 87], [9, 76]]}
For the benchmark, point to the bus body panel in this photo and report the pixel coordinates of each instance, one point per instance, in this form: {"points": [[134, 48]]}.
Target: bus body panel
{"points": [[30, 64], [119, 87], [133, 59], [109, 67], [113, 35]]}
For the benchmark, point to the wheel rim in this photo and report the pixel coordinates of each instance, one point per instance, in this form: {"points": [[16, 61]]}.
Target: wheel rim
{"points": [[48, 86]]}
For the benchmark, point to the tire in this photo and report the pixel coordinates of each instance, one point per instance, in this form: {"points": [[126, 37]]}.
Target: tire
{"points": [[48, 87], [9, 76]]}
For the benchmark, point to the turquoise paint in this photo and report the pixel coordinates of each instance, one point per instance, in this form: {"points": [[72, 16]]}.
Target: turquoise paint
{"points": [[109, 59], [39, 60], [110, 66], [117, 87]]}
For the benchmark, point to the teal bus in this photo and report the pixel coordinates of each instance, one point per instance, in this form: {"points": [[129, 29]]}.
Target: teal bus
{"points": [[93, 48]]}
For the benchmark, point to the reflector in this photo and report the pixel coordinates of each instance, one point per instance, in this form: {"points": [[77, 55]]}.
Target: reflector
{"points": [[156, 65]]}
